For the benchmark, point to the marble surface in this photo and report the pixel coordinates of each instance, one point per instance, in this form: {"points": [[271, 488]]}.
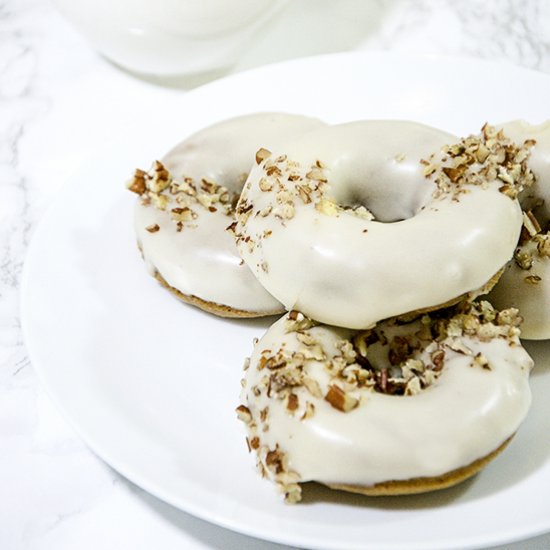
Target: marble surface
{"points": [[58, 100]]}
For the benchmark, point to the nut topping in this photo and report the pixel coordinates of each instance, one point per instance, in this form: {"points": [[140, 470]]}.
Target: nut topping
{"points": [[341, 400], [153, 228], [262, 154], [479, 160], [158, 188]]}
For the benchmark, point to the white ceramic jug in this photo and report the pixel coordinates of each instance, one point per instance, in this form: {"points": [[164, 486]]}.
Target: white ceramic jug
{"points": [[170, 37]]}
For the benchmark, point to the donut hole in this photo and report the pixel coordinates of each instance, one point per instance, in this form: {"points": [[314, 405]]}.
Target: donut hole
{"points": [[387, 192], [402, 358], [375, 164]]}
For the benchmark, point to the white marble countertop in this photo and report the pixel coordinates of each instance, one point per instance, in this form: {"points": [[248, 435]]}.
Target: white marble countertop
{"points": [[58, 99]]}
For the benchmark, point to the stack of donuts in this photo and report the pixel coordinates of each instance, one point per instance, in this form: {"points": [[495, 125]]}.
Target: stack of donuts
{"points": [[404, 261]]}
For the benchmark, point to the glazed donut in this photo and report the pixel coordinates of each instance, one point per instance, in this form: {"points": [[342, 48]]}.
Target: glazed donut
{"points": [[525, 283], [355, 223], [398, 409], [187, 202]]}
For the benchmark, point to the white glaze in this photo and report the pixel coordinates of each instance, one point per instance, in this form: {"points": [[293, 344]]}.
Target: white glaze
{"points": [[464, 415], [348, 271], [514, 288], [202, 260]]}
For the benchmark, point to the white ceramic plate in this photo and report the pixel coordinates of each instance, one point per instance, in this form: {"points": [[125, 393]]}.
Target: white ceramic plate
{"points": [[151, 384]]}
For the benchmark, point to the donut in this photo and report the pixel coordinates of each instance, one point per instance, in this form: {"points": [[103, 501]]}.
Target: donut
{"points": [[401, 408], [525, 283], [354, 223], [187, 202]]}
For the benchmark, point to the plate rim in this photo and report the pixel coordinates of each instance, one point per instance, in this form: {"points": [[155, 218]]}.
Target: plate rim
{"points": [[134, 477]]}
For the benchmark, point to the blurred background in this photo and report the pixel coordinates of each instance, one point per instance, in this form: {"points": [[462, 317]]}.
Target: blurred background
{"points": [[59, 98]]}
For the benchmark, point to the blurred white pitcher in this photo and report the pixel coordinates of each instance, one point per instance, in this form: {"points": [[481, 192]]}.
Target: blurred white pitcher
{"points": [[170, 37]]}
